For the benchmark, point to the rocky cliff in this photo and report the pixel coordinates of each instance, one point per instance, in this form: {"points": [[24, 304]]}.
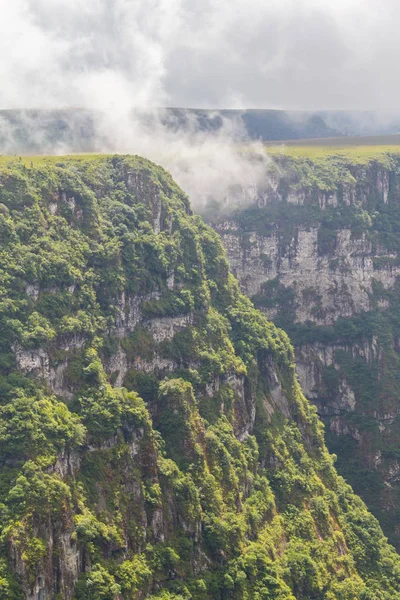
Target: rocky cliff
{"points": [[319, 254], [154, 441]]}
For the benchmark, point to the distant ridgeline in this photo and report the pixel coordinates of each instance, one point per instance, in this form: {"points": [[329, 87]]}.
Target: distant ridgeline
{"points": [[77, 130], [320, 256], [154, 440]]}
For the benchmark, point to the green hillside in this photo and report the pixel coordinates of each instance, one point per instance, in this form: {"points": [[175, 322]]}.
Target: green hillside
{"points": [[154, 441]]}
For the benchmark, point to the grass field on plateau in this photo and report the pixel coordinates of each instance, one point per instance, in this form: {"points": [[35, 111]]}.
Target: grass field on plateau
{"points": [[357, 148], [32, 161]]}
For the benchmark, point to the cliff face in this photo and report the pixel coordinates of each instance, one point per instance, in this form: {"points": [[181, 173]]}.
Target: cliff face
{"points": [[319, 255], [324, 285], [154, 441]]}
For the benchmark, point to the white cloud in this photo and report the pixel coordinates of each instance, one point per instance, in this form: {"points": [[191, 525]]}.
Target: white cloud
{"points": [[112, 55], [286, 53]]}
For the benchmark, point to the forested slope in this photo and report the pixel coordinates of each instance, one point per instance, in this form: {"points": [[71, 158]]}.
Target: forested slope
{"points": [[154, 441]]}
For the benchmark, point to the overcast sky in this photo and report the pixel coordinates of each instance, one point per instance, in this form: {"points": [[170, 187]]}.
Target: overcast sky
{"points": [[292, 54]]}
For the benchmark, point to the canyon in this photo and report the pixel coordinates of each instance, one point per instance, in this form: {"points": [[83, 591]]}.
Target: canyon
{"points": [[318, 253]]}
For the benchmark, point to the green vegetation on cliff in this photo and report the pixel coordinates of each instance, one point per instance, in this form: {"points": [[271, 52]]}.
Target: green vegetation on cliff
{"points": [[154, 441]]}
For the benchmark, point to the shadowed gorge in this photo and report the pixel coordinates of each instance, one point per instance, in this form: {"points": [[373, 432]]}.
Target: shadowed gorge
{"points": [[154, 441]]}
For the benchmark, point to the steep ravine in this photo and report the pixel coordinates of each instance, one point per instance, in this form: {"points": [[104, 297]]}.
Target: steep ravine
{"points": [[154, 441], [319, 254]]}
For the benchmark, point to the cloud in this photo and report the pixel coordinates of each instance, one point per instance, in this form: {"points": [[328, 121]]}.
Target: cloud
{"points": [[294, 54], [111, 56], [92, 53]]}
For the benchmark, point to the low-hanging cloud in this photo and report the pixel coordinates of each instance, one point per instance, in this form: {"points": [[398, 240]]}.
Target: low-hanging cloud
{"points": [[291, 54], [114, 56]]}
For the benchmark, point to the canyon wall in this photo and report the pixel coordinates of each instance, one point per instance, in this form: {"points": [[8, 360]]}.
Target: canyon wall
{"points": [[319, 255]]}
